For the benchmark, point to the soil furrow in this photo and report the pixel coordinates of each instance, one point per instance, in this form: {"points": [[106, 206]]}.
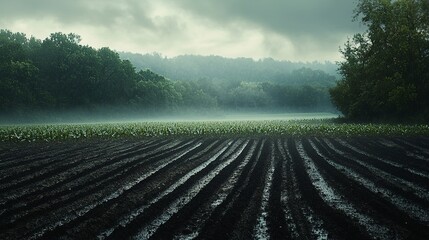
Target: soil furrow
{"points": [[97, 213], [383, 179], [276, 221], [296, 212], [255, 187], [381, 201], [331, 192], [31, 177], [382, 164], [261, 228], [37, 154], [391, 152], [206, 173], [189, 221], [345, 200], [413, 149], [103, 186], [33, 153], [338, 225], [14, 173], [419, 186], [170, 180], [60, 163], [162, 205], [224, 202], [239, 218], [420, 143], [63, 184]]}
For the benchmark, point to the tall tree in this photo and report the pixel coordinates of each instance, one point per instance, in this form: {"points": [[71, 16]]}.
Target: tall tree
{"points": [[17, 73], [385, 73]]}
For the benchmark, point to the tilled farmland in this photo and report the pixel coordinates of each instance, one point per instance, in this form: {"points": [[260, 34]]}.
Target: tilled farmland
{"points": [[216, 188]]}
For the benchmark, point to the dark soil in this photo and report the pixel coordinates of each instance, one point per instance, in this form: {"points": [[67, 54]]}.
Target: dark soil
{"points": [[216, 188]]}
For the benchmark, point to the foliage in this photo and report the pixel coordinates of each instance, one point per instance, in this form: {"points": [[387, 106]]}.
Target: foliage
{"points": [[31, 133], [385, 73], [59, 74]]}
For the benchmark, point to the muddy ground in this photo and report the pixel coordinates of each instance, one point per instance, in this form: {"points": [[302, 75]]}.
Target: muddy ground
{"points": [[216, 188]]}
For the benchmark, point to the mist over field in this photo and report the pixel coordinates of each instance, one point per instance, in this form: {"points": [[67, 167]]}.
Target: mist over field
{"points": [[61, 80], [124, 115], [168, 59]]}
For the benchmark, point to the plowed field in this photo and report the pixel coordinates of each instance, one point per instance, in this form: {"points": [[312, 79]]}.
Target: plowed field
{"points": [[216, 188]]}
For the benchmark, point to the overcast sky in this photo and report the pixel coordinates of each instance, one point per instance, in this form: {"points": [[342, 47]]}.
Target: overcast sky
{"points": [[296, 30]]}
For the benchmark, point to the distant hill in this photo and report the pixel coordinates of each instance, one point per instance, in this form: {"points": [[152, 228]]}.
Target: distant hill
{"points": [[191, 67]]}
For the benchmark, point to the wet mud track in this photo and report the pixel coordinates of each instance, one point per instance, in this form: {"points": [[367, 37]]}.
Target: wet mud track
{"points": [[216, 188]]}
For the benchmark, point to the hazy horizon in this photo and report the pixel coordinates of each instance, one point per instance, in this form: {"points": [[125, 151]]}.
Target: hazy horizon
{"points": [[118, 115]]}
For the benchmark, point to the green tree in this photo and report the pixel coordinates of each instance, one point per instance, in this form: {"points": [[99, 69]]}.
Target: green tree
{"points": [[17, 73], [115, 78], [153, 91], [385, 73], [56, 59]]}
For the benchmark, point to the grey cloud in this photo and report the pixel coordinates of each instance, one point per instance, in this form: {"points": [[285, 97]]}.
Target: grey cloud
{"points": [[95, 12], [21, 9], [292, 17], [286, 16], [309, 24], [322, 22]]}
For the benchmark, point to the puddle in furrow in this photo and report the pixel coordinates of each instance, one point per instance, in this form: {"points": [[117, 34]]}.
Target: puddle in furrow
{"points": [[261, 228], [417, 153], [372, 227], [388, 143], [127, 219], [401, 183], [391, 144], [315, 223], [285, 195], [414, 171], [81, 181], [416, 156], [150, 229], [89, 162], [326, 192], [421, 149], [401, 203], [114, 195], [226, 190]]}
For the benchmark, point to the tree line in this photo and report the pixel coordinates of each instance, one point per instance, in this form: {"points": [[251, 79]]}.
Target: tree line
{"points": [[195, 67], [58, 73]]}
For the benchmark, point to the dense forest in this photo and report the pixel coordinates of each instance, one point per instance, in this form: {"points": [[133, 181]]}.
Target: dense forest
{"points": [[192, 67], [385, 75], [59, 74]]}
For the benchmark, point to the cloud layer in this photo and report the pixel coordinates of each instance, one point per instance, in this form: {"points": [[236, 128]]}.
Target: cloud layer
{"points": [[298, 30]]}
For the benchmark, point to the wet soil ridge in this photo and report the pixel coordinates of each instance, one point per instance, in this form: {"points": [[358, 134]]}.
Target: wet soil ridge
{"points": [[217, 188]]}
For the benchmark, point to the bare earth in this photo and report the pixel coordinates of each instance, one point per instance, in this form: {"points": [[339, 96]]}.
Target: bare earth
{"points": [[216, 188]]}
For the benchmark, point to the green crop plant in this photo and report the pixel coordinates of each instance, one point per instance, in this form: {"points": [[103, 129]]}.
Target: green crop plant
{"points": [[30, 133]]}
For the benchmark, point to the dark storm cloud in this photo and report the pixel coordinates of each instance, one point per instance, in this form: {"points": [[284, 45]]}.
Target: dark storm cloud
{"points": [[283, 29], [319, 19]]}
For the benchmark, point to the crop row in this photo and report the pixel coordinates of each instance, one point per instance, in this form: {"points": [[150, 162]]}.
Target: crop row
{"points": [[31, 133]]}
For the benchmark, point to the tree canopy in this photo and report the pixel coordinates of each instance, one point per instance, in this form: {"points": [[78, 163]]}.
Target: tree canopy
{"points": [[385, 73]]}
